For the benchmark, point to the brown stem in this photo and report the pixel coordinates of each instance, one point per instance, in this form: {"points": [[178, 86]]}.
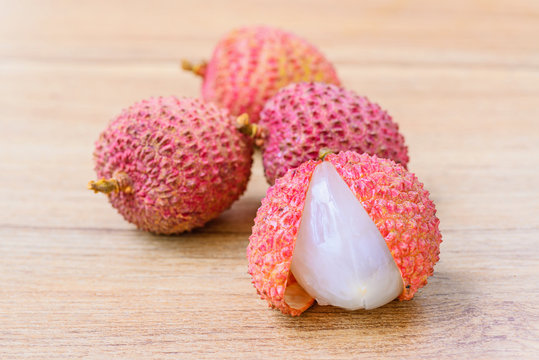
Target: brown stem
{"points": [[119, 182], [254, 131], [322, 153], [197, 69]]}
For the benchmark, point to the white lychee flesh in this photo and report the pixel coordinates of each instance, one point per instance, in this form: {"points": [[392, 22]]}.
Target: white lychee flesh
{"points": [[340, 258]]}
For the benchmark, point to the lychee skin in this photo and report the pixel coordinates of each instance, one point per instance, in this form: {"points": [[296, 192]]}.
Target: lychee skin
{"points": [[184, 160], [394, 199], [250, 64], [305, 117]]}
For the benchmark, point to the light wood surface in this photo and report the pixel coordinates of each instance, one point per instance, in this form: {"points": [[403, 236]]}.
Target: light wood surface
{"points": [[76, 280]]}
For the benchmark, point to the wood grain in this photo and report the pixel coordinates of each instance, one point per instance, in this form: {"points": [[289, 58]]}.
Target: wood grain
{"points": [[460, 77]]}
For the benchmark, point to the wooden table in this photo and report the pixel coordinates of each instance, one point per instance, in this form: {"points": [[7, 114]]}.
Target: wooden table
{"points": [[460, 77]]}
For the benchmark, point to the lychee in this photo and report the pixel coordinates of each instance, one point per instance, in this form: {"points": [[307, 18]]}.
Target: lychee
{"points": [[169, 165], [305, 117], [353, 231], [250, 64]]}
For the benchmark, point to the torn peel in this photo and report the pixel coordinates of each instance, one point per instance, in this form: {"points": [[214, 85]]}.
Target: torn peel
{"points": [[296, 298]]}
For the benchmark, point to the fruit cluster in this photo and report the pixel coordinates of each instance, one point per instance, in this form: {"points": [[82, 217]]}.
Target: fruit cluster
{"points": [[344, 223]]}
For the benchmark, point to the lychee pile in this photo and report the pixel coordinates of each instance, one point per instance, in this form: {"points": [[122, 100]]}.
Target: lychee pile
{"points": [[344, 222]]}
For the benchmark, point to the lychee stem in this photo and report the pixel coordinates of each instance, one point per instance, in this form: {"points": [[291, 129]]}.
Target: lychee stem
{"points": [[119, 183], [322, 153], [104, 185], [198, 69], [254, 131]]}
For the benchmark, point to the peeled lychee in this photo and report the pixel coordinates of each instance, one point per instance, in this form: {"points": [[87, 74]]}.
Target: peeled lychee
{"points": [[305, 117], [353, 231], [169, 165], [250, 64]]}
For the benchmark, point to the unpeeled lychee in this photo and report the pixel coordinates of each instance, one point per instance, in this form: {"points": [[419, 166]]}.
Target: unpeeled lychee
{"points": [[169, 165], [305, 117], [354, 231], [250, 64]]}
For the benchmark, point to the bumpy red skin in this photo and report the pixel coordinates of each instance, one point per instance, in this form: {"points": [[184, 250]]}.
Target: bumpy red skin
{"points": [[184, 158], [394, 199], [250, 64], [305, 117]]}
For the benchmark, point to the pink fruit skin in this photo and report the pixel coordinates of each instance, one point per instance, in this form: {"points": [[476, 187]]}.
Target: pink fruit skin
{"points": [[394, 199], [303, 118], [185, 161], [250, 64]]}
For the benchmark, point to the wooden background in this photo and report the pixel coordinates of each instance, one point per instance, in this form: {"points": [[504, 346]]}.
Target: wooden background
{"points": [[460, 77]]}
